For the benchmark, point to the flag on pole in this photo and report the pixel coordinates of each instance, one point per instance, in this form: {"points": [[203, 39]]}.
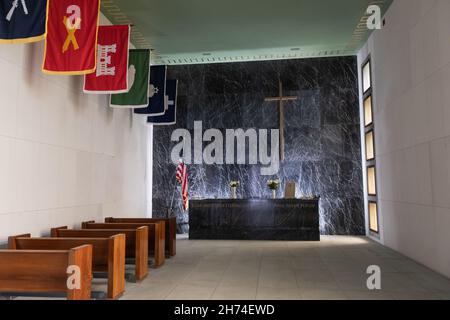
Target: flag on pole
{"points": [[170, 116], [156, 92], [182, 178], [22, 21], [71, 40], [138, 80], [111, 74]]}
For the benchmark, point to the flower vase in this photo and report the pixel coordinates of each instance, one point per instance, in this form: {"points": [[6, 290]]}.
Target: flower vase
{"points": [[233, 193], [274, 193]]}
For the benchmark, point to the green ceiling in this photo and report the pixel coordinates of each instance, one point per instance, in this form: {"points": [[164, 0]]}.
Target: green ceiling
{"points": [[203, 31]]}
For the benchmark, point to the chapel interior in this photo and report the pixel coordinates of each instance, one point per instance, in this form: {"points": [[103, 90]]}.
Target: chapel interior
{"points": [[302, 152]]}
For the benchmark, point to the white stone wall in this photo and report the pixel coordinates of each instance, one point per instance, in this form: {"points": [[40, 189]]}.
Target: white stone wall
{"points": [[411, 83], [65, 156]]}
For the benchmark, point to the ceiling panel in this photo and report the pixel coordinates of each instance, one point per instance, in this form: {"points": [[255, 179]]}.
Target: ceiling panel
{"points": [[208, 31]]}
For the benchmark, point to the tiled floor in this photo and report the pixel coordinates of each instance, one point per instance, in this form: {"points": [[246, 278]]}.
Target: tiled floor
{"points": [[334, 268]]}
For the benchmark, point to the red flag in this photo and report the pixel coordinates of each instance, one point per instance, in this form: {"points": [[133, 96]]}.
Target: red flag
{"points": [[111, 75], [71, 42], [182, 178]]}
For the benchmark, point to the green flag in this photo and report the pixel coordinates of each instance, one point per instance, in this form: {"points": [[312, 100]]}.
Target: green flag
{"points": [[138, 73]]}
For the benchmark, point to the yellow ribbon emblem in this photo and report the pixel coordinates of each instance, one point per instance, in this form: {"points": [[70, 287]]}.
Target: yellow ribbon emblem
{"points": [[71, 29]]}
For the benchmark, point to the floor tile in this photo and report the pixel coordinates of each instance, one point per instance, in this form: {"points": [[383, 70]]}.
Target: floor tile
{"points": [[322, 294], [264, 293], [234, 293], [191, 292]]}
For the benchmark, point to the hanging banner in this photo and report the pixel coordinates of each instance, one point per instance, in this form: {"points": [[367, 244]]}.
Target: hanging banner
{"points": [[138, 80], [170, 116], [111, 74], [156, 92], [22, 21], [71, 40]]}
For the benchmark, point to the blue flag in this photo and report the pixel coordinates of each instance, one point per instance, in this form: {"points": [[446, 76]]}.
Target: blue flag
{"points": [[156, 92], [170, 117], [22, 21]]}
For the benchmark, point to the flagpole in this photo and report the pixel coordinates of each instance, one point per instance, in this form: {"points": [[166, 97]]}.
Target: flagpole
{"points": [[181, 177], [170, 210]]}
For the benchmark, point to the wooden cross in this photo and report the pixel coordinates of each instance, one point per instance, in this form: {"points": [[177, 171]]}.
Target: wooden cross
{"points": [[280, 99]]}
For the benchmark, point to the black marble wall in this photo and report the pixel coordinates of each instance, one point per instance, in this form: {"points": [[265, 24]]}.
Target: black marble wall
{"points": [[323, 150]]}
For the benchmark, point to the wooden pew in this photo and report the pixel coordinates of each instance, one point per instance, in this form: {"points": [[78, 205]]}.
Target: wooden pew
{"points": [[136, 244], [171, 229], [43, 271], [108, 255], [156, 239]]}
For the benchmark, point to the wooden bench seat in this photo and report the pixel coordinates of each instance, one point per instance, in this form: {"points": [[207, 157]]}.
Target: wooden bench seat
{"points": [[170, 225], [108, 255], [136, 243], [156, 239], [45, 271]]}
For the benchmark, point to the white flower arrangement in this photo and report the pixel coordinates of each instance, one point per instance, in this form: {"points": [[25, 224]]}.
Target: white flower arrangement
{"points": [[273, 184], [234, 184]]}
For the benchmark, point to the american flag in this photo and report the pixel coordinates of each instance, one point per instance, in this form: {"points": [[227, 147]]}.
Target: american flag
{"points": [[182, 178]]}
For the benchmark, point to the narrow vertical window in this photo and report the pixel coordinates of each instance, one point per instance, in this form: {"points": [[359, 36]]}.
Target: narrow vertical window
{"points": [[367, 77], [371, 181], [370, 149], [373, 217], [368, 124], [368, 120]]}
